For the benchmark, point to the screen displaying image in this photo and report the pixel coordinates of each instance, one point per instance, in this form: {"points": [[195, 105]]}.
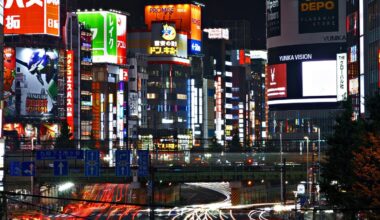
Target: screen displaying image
{"points": [[319, 78], [36, 74]]}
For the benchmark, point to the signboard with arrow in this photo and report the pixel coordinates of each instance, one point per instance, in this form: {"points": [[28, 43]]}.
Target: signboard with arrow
{"points": [[61, 168]]}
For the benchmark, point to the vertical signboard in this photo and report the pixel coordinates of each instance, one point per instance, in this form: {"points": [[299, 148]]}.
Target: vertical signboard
{"points": [[52, 17], [91, 163], [1, 12], [108, 42], [36, 77], [70, 91], [9, 55], [31, 17], [143, 163], [121, 39], [195, 40], [123, 162], [273, 18], [277, 83], [318, 16], [341, 76]]}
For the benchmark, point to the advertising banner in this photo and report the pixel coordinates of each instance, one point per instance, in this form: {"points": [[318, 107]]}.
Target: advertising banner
{"points": [[273, 18], [108, 42], [277, 83], [36, 75], [318, 16], [31, 17], [341, 76]]}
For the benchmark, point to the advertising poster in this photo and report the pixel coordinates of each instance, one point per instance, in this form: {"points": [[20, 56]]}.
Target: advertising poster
{"points": [[9, 57], [277, 81], [318, 16], [36, 74], [108, 42], [31, 17], [273, 18]]}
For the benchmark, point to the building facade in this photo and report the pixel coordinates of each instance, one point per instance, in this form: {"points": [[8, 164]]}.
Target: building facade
{"points": [[305, 47]]}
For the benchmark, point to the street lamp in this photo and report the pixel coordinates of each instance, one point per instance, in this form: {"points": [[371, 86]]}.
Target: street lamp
{"points": [[307, 164]]}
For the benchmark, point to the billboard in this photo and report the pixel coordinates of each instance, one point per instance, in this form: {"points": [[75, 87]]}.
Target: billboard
{"points": [[319, 78], [341, 76], [273, 18], [70, 91], [218, 33], [187, 18], [306, 22], [165, 41], [109, 36], [318, 16], [36, 78], [31, 17], [277, 83]]}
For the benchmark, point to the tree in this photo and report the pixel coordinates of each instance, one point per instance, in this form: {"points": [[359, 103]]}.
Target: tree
{"points": [[338, 169], [215, 146], [367, 171], [235, 145], [64, 141]]}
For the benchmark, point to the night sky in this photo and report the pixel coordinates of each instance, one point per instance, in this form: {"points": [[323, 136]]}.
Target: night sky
{"points": [[251, 10]]}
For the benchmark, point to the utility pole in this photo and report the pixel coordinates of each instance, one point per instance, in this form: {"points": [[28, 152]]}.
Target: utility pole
{"points": [[283, 184], [151, 188]]}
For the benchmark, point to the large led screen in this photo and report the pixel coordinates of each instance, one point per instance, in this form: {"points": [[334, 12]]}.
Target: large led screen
{"points": [[31, 17], [109, 36], [319, 78], [36, 78]]}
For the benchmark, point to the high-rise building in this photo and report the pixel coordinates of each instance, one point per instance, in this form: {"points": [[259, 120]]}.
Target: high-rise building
{"points": [[258, 95], [79, 76], [171, 41], [369, 15], [103, 91], [33, 90], [353, 53], [239, 32], [217, 67], [306, 47]]}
